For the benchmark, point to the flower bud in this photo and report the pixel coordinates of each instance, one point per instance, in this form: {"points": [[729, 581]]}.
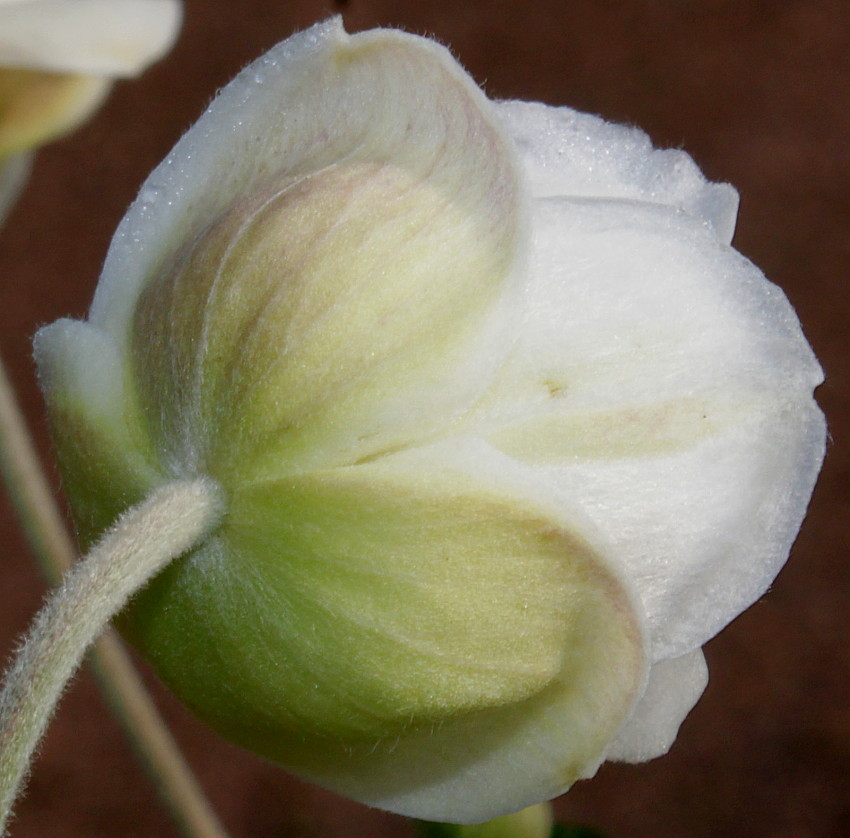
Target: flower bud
{"points": [[507, 430]]}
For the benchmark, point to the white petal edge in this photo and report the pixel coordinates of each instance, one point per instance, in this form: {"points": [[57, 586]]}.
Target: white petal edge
{"points": [[89, 37], [81, 363], [674, 687], [573, 154]]}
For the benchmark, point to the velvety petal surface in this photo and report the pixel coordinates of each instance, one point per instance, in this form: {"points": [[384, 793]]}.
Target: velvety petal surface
{"points": [[663, 381], [578, 155], [350, 217], [414, 632], [674, 687]]}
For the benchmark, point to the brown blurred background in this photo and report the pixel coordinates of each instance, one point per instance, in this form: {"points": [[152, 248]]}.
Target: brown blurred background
{"points": [[758, 91]]}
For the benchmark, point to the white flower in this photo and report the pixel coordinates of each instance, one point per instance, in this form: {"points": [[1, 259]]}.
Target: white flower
{"points": [[507, 429], [57, 62]]}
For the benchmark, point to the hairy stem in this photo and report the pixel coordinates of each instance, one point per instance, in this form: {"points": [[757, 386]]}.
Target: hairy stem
{"points": [[167, 524], [30, 491]]}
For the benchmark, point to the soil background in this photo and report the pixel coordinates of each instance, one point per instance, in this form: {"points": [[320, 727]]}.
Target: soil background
{"points": [[759, 93]]}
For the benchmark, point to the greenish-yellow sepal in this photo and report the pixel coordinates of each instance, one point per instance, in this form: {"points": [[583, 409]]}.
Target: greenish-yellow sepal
{"points": [[346, 297], [401, 634]]}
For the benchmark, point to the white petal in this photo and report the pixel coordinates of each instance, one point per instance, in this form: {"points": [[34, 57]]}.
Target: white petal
{"points": [[39, 107], [674, 687], [662, 380], [94, 37], [575, 154]]}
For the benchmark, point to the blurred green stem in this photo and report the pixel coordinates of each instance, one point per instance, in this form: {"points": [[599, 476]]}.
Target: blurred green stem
{"points": [[532, 822]]}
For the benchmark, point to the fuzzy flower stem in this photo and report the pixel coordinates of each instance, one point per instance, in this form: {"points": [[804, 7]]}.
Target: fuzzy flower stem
{"points": [[168, 523], [119, 680]]}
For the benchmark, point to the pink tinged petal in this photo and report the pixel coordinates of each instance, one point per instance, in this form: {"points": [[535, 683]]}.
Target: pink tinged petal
{"points": [[323, 268]]}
